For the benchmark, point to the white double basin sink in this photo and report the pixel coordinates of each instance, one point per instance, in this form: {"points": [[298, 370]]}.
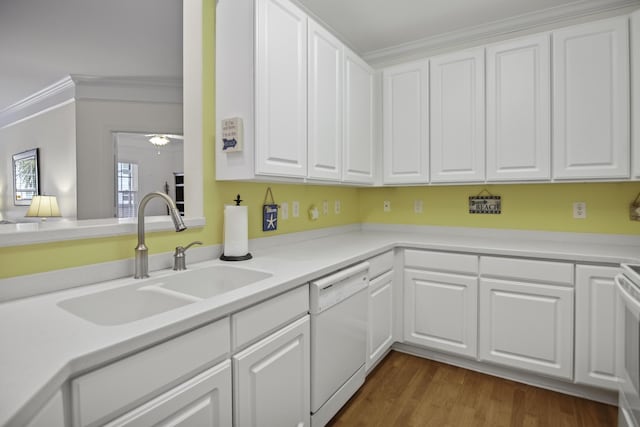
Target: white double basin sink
{"points": [[144, 298]]}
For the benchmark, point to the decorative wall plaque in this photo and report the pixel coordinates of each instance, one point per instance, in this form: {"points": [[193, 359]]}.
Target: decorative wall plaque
{"points": [[485, 204]]}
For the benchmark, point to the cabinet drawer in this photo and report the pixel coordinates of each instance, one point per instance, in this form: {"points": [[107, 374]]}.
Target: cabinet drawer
{"points": [[557, 273], [257, 321], [441, 261], [380, 264], [129, 382]]}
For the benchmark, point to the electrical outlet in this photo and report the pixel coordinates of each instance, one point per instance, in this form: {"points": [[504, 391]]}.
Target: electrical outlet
{"points": [[295, 209], [284, 210], [579, 210], [325, 207], [417, 206], [337, 206], [386, 206]]}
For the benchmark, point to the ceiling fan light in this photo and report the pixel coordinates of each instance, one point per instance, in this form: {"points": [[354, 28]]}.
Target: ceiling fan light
{"points": [[159, 140]]}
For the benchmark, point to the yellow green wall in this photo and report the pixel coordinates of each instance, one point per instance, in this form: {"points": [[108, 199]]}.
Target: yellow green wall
{"points": [[524, 206], [535, 207]]}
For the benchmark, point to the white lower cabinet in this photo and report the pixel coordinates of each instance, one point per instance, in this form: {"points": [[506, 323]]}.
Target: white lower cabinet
{"points": [[272, 379], [380, 317], [440, 307], [204, 400], [52, 414], [155, 385], [596, 308], [525, 322]]}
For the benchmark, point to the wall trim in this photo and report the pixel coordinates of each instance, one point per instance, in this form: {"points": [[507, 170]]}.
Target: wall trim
{"points": [[84, 87], [557, 16]]}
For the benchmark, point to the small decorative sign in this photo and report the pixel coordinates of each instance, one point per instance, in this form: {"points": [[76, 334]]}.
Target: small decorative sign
{"points": [[485, 204], [269, 212], [232, 135]]}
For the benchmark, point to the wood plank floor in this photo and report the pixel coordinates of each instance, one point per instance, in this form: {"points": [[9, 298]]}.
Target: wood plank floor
{"points": [[405, 390]]}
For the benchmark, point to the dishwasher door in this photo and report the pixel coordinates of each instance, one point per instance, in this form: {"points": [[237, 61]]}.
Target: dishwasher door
{"points": [[338, 338]]}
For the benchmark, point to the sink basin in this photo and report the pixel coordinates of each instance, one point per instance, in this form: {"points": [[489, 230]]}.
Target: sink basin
{"points": [[124, 305], [211, 281], [153, 296]]}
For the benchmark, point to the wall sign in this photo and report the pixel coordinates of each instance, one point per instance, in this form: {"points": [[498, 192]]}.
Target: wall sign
{"points": [[485, 204], [269, 212]]}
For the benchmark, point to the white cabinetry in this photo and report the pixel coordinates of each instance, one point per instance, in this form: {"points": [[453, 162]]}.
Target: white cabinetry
{"points": [[358, 157], [519, 109], [51, 415], [380, 327], [635, 91], [130, 389], [440, 301], [325, 104], [204, 400], [406, 123], [281, 89], [272, 379], [596, 308], [457, 117], [526, 315], [591, 100]]}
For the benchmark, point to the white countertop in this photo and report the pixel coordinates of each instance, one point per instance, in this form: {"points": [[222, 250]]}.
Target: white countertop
{"points": [[43, 345]]}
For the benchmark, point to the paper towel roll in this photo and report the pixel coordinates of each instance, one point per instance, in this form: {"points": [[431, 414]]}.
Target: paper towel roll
{"points": [[236, 230]]}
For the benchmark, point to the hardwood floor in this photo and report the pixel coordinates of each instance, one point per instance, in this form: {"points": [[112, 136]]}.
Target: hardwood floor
{"points": [[405, 390]]}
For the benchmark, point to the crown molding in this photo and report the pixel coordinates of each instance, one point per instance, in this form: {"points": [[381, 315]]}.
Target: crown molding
{"points": [[538, 20], [83, 87]]}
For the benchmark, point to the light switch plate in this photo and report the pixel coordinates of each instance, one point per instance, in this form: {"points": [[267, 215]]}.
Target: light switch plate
{"points": [[284, 210], [295, 209], [386, 206], [337, 207]]}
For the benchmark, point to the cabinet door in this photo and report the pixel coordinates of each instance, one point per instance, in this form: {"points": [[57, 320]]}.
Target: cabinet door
{"points": [[527, 326], [596, 308], [519, 110], [380, 335], [440, 311], [457, 117], [635, 91], [358, 157], [406, 123], [591, 100], [272, 379], [281, 89], [325, 104], [205, 400]]}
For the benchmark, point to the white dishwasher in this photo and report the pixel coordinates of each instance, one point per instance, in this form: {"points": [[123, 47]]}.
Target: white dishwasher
{"points": [[338, 340]]}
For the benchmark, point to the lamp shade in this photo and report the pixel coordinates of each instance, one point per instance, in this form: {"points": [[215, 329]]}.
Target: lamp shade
{"points": [[44, 207]]}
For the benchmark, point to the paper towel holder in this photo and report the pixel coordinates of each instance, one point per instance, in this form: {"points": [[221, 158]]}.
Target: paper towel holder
{"points": [[224, 257]]}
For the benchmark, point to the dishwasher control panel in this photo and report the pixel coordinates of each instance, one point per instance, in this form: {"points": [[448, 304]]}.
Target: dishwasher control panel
{"points": [[330, 290]]}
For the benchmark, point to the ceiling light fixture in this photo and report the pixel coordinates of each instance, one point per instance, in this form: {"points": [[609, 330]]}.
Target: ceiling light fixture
{"points": [[159, 140]]}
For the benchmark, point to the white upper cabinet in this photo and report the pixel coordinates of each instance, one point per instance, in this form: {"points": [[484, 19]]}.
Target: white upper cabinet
{"points": [[635, 91], [406, 123], [591, 100], [281, 89], [519, 109], [325, 104], [457, 117], [358, 159]]}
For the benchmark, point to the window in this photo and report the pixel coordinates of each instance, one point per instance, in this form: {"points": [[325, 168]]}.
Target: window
{"points": [[127, 194]]}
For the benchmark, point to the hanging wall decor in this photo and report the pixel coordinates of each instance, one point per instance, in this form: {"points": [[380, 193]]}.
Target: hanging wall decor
{"points": [[269, 212], [488, 204]]}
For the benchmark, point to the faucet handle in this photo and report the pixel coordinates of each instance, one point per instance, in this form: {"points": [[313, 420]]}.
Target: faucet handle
{"points": [[179, 259]]}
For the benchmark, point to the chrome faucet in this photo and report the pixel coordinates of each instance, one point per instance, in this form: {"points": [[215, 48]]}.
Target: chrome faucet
{"points": [[142, 254]]}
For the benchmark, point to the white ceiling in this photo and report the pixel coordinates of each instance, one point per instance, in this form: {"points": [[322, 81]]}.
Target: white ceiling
{"points": [[371, 25], [43, 41]]}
